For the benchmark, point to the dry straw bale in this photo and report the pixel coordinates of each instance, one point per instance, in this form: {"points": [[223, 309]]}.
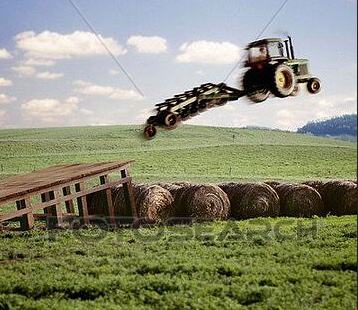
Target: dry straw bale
{"points": [[153, 203], [172, 186], [97, 203], [202, 202], [316, 184], [250, 200], [272, 183], [299, 200], [339, 197]]}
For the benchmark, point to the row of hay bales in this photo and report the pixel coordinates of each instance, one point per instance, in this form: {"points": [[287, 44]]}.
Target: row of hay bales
{"points": [[204, 202]]}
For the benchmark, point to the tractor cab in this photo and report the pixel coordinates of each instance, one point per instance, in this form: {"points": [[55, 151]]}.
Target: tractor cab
{"points": [[265, 51]]}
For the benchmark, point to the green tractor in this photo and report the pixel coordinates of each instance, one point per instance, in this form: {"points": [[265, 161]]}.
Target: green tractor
{"points": [[274, 69]]}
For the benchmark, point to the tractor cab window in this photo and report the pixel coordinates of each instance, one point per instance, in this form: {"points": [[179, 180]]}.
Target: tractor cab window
{"points": [[258, 53], [275, 49]]}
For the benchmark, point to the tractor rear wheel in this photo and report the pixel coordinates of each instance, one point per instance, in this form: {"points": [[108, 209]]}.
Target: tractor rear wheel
{"points": [[282, 80], [254, 86], [314, 85]]}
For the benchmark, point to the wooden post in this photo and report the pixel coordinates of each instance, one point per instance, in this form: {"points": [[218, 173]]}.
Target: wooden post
{"points": [[57, 210], [82, 204], [69, 203], [54, 212], [128, 194], [44, 198], [104, 180], [26, 221]]}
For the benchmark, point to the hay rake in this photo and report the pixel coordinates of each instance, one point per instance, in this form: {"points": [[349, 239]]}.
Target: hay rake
{"points": [[188, 104]]}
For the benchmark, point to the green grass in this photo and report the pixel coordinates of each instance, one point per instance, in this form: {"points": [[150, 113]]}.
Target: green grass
{"points": [[282, 263], [254, 264], [191, 153]]}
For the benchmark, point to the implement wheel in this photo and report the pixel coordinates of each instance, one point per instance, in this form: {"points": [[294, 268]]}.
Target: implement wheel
{"points": [[170, 120], [149, 131]]}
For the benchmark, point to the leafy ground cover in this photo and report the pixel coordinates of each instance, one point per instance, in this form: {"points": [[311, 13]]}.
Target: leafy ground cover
{"points": [[282, 263], [279, 263]]}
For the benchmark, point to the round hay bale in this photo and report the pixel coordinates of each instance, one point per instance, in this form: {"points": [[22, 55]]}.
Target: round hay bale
{"points": [[172, 186], [202, 202], [153, 203], [97, 203], [339, 197], [250, 200], [272, 183], [316, 184], [299, 200]]}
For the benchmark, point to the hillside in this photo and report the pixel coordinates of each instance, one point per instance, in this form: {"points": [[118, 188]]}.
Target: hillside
{"points": [[192, 153], [342, 127], [258, 263]]}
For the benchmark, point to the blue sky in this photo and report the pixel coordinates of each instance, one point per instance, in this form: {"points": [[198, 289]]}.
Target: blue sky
{"points": [[54, 72]]}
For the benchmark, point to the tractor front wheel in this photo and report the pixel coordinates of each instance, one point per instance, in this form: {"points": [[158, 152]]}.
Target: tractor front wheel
{"points": [[282, 81], [314, 85]]}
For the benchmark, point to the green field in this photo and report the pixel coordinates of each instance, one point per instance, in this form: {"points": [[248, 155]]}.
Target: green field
{"points": [[282, 263], [200, 154]]}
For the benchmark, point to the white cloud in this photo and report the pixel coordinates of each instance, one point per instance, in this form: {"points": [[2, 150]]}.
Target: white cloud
{"points": [[285, 114], [4, 54], [52, 46], [5, 82], [113, 72], [24, 70], [50, 111], [123, 94], [114, 93], [6, 99], [148, 45], [49, 75], [208, 52], [39, 62]]}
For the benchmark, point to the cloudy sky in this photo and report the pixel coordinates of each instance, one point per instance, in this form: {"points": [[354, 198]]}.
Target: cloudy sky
{"points": [[54, 71]]}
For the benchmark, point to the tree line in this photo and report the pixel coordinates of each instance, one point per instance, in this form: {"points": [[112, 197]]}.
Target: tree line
{"points": [[336, 126]]}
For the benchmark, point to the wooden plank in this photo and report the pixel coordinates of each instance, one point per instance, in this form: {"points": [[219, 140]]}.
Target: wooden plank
{"points": [[82, 203], [104, 180], [70, 208], [128, 194], [53, 184], [50, 203], [52, 176], [27, 220]]}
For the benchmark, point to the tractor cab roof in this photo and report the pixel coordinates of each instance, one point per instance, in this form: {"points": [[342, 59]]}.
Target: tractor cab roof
{"points": [[263, 42]]}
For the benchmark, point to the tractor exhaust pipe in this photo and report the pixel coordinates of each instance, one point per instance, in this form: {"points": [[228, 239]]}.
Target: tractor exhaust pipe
{"points": [[287, 49], [291, 48]]}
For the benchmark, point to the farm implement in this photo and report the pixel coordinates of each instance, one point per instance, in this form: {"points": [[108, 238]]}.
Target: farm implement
{"points": [[272, 70]]}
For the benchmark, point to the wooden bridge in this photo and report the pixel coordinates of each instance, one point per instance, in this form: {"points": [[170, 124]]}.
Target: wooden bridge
{"points": [[60, 191]]}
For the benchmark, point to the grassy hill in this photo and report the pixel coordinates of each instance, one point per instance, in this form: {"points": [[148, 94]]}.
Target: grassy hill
{"points": [[262, 263], [192, 153]]}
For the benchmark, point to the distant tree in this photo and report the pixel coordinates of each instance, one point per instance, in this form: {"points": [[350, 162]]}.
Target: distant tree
{"points": [[336, 126]]}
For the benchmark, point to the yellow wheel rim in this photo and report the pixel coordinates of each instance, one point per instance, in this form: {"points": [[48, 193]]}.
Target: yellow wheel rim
{"points": [[281, 79]]}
